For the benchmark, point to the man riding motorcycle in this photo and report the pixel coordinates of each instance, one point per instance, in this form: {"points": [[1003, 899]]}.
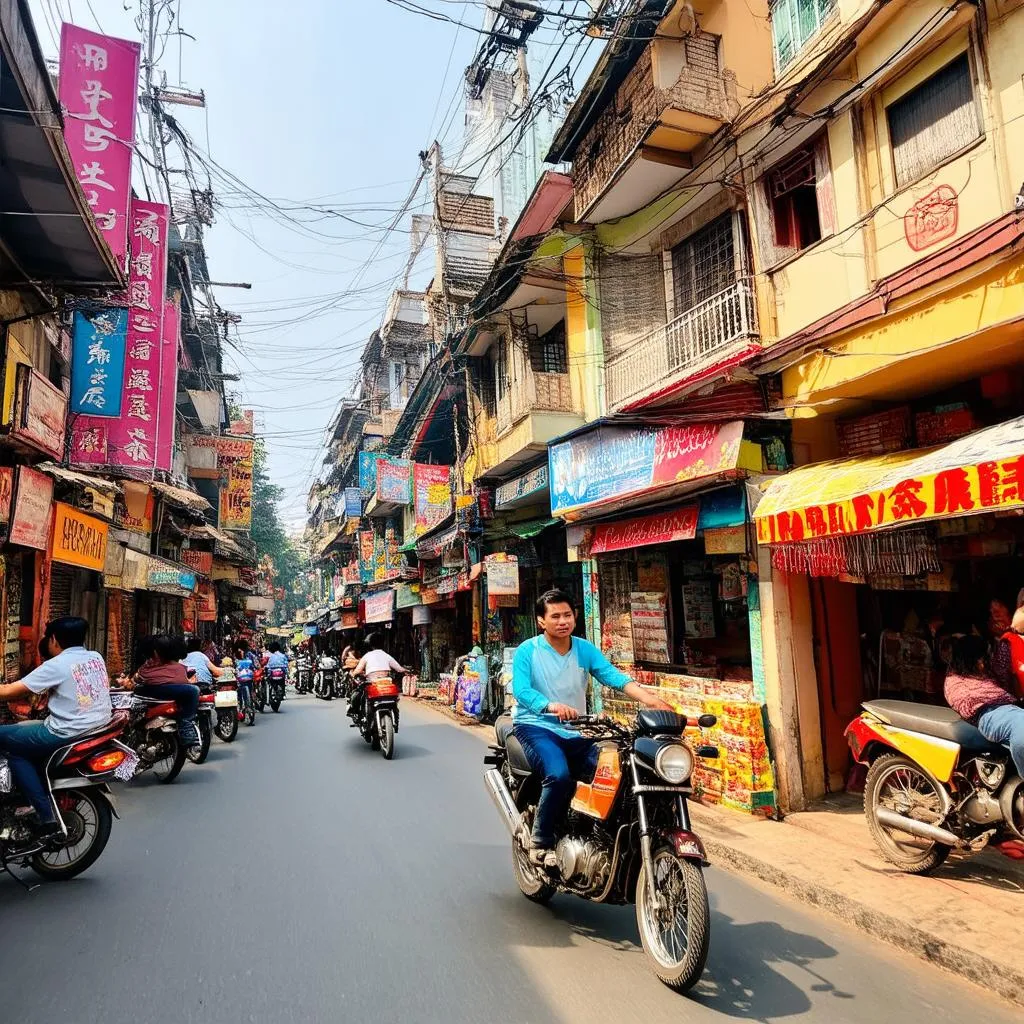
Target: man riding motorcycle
{"points": [[549, 683], [375, 664], [79, 703]]}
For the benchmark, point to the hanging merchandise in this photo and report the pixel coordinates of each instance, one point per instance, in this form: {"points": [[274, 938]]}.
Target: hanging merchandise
{"points": [[648, 614], [698, 609]]}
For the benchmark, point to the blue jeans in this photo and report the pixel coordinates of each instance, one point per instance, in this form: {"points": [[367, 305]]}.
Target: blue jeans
{"points": [[560, 761], [185, 695], [28, 746], [1005, 725]]}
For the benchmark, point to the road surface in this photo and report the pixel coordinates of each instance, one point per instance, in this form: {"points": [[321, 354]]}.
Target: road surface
{"points": [[298, 877]]}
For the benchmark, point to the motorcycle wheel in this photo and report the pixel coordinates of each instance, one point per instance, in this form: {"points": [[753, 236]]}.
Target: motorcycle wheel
{"points": [[898, 784], [676, 940], [168, 768], [198, 754], [250, 713], [275, 704], [530, 880], [261, 699], [387, 737], [227, 724], [88, 817]]}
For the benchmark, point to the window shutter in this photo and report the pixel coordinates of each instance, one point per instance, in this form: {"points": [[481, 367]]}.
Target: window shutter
{"points": [[823, 187], [764, 225]]}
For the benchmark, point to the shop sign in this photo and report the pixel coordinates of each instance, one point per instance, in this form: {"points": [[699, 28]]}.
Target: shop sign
{"points": [[368, 473], [448, 585], [6, 491], [167, 397], [97, 361], [350, 574], [78, 539], [353, 500], [207, 602], [983, 472], [223, 571], [429, 595], [236, 495], [379, 607], [97, 89], [40, 412], [349, 620], [663, 528], [200, 561], [244, 425], [421, 616], [407, 595], [30, 522], [367, 542], [188, 615], [502, 574], [432, 490], [167, 576], [725, 540], [522, 487], [99, 502], [618, 462], [394, 480]]}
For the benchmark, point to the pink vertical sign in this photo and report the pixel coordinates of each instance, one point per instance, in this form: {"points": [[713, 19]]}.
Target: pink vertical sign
{"points": [[131, 439], [98, 88], [168, 398]]}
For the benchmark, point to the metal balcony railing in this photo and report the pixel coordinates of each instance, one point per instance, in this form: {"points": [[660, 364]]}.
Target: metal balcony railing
{"points": [[540, 392], [691, 342]]}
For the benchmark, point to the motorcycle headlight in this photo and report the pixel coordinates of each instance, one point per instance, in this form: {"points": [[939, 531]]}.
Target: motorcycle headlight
{"points": [[674, 763]]}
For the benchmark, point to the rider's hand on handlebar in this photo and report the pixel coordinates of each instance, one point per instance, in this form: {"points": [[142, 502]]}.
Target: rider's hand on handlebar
{"points": [[564, 712]]}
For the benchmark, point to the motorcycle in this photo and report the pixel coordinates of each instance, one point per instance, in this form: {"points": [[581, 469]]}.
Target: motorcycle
{"points": [[934, 784], [303, 674], [225, 702], [627, 836], [326, 677], [197, 754], [277, 677], [152, 732], [377, 720], [77, 777], [260, 696]]}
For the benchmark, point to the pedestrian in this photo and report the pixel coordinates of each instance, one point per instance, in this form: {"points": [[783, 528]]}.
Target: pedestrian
{"points": [[78, 685]]}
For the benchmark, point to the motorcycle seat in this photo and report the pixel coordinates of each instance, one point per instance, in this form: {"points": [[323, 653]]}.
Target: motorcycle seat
{"points": [[503, 729], [942, 723], [517, 759]]}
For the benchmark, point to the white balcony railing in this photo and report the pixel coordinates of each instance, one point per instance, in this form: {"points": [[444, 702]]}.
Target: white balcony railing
{"points": [[693, 341]]}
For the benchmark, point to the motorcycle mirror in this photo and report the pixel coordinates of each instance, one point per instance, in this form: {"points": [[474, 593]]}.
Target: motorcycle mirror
{"points": [[708, 751], [707, 721]]}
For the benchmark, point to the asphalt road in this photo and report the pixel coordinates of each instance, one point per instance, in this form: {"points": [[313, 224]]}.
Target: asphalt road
{"points": [[298, 877]]}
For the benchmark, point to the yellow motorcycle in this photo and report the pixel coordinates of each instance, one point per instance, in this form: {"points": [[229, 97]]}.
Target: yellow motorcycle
{"points": [[934, 784]]}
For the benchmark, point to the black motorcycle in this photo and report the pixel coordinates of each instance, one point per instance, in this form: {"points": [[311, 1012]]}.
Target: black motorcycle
{"points": [[326, 678], [627, 837], [275, 681], [375, 704], [303, 674]]}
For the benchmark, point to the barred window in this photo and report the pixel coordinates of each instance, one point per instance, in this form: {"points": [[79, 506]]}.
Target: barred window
{"points": [[548, 352]]}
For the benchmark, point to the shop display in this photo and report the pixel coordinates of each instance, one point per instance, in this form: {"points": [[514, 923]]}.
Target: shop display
{"points": [[648, 614], [698, 609]]}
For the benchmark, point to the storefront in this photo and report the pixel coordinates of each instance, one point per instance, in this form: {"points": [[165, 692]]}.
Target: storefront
{"points": [[658, 522], [901, 552]]}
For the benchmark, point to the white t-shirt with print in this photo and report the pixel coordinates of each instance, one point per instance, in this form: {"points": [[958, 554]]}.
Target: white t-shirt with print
{"points": [[79, 688]]}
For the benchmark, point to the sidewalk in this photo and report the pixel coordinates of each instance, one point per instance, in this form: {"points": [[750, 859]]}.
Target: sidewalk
{"points": [[965, 918]]}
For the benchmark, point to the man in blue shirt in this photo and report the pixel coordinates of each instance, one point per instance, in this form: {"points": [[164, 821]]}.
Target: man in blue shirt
{"points": [[277, 659], [549, 683]]}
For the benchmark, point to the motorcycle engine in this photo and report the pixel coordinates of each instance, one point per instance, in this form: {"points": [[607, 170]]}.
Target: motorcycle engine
{"points": [[583, 862]]}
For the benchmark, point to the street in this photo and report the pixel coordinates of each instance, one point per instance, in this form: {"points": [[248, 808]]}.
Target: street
{"points": [[297, 876]]}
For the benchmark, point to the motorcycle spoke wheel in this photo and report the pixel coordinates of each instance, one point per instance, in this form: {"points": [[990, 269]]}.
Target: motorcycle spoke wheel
{"points": [[387, 737], [88, 819], [168, 767], [675, 927], [895, 783]]}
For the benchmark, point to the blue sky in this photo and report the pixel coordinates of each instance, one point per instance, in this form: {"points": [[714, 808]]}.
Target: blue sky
{"points": [[316, 101]]}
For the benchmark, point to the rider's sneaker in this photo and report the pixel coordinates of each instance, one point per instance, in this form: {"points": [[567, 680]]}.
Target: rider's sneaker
{"points": [[543, 857], [190, 734]]}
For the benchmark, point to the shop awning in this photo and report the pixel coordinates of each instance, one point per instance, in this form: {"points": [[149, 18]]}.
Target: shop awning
{"points": [[982, 472], [72, 476], [182, 497], [531, 527]]}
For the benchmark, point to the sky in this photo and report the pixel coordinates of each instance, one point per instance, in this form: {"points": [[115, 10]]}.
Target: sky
{"points": [[323, 102]]}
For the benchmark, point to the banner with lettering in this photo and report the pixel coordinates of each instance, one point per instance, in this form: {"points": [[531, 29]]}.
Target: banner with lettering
{"points": [[98, 349], [167, 398], [98, 87], [662, 528], [432, 492]]}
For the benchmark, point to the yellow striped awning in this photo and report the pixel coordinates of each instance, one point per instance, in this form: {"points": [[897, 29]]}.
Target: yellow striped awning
{"points": [[982, 472]]}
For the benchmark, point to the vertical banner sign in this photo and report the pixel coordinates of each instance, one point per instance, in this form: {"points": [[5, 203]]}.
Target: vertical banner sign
{"points": [[98, 85], [366, 551], [235, 462], [130, 440], [98, 350], [432, 493], [167, 397], [368, 473]]}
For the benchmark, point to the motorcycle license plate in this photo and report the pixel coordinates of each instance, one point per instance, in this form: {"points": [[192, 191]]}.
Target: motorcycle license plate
{"points": [[226, 699]]}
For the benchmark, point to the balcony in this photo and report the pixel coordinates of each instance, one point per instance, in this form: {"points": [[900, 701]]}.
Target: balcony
{"points": [[674, 98], [717, 332]]}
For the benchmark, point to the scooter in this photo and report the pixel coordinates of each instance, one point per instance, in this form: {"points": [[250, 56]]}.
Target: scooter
{"points": [[934, 784]]}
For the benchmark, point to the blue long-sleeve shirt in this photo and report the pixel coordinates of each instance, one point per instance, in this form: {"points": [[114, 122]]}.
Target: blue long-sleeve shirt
{"points": [[541, 676]]}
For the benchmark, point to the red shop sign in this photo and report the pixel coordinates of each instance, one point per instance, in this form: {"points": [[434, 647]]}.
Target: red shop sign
{"points": [[680, 524]]}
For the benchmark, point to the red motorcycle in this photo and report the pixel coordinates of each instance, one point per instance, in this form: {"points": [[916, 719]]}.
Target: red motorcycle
{"points": [[152, 731], [276, 679], [76, 777]]}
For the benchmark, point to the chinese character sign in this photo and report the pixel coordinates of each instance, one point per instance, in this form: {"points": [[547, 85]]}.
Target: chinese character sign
{"points": [[97, 361], [167, 397], [98, 85]]}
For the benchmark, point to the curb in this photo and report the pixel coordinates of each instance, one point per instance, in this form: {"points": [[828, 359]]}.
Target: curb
{"points": [[997, 976], [994, 975]]}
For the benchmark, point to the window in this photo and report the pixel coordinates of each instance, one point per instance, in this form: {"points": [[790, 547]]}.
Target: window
{"points": [[548, 353], [488, 398], [501, 381], [396, 378], [704, 264], [792, 193], [793, 24], [933, 121]]}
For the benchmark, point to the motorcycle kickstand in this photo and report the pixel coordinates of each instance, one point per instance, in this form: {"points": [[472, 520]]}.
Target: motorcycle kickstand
{"points": [[29, 889]]}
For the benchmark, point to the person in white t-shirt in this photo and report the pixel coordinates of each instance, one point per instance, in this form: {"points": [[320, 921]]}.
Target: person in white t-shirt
{"points": [[376, 663], [79, 703]]}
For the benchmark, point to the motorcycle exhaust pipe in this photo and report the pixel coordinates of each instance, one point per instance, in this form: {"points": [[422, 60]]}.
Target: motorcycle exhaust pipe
{"points": [[920, 829], [503, 801]]}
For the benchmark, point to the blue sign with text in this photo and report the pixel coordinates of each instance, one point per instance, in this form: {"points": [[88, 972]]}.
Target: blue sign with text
{"points": [[99, 342]]}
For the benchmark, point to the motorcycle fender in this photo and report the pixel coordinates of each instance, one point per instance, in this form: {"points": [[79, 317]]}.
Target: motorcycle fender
{"points": [[163, 724], [81, 783], [687, 845], [937, 756]]}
